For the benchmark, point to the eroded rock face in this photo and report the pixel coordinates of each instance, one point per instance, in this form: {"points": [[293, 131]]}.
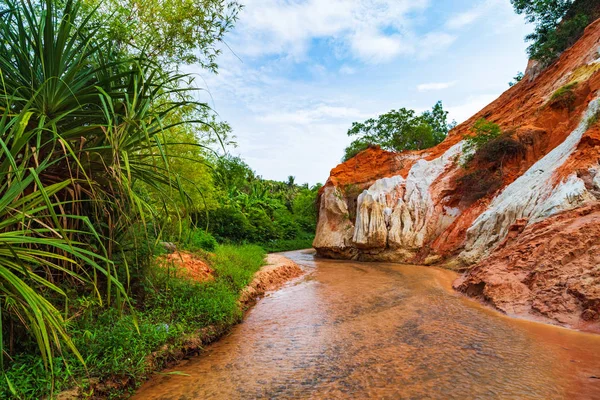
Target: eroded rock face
{"points": [[335, 230], [550, 270], [534, 196], [412, 207]]}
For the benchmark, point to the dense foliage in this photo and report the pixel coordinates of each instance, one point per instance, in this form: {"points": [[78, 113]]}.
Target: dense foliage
{"points": [[104, 156], [279, 215], [82, 136], [400, 130], [558, 24], [171, 32]]}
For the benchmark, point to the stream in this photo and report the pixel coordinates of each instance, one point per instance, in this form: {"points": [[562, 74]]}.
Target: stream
{"points": [[383, 331]]}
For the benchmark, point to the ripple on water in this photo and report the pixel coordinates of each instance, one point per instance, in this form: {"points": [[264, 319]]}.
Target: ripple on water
{"points": [[384, 331]]}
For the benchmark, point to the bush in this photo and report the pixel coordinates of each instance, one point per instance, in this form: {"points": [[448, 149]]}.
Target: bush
{"points": [[286, 224], [484, 131], [564, 97], [492, 149], [497, 150], [517, 78], [264, 228], [199, 239], [227, 223], [548, 47], [559, 24], [302, 242]]}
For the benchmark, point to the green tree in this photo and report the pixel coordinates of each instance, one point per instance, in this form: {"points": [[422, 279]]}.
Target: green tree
{"points": [[517, 78], [172, 32], [558, 24], [400, 130]]}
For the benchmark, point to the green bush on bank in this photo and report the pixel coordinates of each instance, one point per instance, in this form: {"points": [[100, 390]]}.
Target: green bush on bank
{"points": [[302, 242], [168, 309]]}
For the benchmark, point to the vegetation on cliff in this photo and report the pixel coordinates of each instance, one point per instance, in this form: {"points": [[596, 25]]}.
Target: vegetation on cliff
{"points": [[558, 24], [400, 130]]}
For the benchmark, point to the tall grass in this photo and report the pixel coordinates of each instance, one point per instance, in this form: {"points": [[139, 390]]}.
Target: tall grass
{"points": [[82, 136]]}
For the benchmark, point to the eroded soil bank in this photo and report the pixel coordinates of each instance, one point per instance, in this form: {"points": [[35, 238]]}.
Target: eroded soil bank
{"points": [[375, 330]]}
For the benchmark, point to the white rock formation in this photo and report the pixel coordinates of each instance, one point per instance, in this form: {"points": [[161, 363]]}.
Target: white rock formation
{"points": [[374, 209], [400, 212], [597, 179], [533, 196], [334, 230]]}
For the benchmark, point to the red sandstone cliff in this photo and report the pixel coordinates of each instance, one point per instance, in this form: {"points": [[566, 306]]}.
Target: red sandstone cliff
{"points": [[526, 230]]}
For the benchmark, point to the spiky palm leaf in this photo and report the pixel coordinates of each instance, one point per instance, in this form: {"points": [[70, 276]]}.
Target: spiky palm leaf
{"points": [[82, 128]]}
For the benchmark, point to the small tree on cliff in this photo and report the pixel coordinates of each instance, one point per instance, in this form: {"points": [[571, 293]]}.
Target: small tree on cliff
{"points": [[400, 130]]}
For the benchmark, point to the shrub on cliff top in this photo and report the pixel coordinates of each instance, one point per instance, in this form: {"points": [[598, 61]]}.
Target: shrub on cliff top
{"points": [[490, 145], [499, 149]]}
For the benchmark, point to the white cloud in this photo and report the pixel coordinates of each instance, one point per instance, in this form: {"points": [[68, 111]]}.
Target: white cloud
{"points": [[307, 116], [374, 47], [347, 70], [373, 31], [426, 87], [463, 19], [433, 43]]}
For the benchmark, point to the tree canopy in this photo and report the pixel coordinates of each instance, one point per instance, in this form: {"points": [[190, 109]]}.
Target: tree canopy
{"points": [[558, 24], [400, 130], [172, 32]]}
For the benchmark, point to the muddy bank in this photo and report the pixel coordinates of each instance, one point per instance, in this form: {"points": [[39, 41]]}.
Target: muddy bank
{"points": [[278, 271]]}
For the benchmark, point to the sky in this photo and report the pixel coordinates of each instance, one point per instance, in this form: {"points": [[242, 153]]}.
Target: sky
{"points": [[296, 73]]}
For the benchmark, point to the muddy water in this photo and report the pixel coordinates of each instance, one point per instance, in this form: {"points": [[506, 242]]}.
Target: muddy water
{"points": [[351, 330]]}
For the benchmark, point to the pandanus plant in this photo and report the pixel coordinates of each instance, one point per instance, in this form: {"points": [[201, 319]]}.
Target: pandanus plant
{"points": [[83, 127]]}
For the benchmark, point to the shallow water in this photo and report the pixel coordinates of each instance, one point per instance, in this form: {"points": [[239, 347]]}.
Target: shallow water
{"points": [[384, 331]]}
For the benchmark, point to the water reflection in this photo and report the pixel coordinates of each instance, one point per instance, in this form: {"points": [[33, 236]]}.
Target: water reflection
{"points": [[353, 330]]}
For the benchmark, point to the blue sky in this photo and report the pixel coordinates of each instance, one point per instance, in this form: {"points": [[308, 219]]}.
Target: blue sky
{"points": [[299, 72]]}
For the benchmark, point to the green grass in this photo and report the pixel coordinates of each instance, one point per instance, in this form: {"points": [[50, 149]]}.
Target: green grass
{"points": [[300, 243], [168, 311]]}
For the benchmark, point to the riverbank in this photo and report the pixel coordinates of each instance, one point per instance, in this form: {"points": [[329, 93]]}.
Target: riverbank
{"points": [[380, 330], [277, 272], [179, 308]]}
